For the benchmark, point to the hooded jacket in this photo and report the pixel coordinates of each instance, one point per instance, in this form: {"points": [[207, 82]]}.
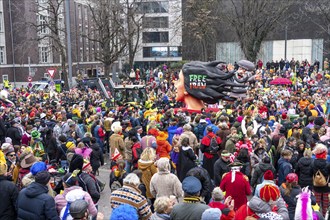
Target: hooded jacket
{"points": [[284, 168], [61, 202], [163, 148], [324, 167], [8, 197], [96, 157], [304, 171], [259, 171], [34, 203], [148, 170], [256, 207]]}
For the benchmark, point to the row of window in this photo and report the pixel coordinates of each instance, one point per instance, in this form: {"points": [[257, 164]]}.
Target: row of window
{"points": [[1, 22], [162, 52], [2, 55], [155, 22], [155, 37], [152, 7]]}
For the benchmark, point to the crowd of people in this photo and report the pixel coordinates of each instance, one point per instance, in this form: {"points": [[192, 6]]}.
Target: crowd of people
{"points": [[246, 159]]}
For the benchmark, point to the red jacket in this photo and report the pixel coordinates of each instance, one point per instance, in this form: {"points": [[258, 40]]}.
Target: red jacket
{"points": [[238, 190], [243, 212], [163, 149], [207, 141], [227, 214]]}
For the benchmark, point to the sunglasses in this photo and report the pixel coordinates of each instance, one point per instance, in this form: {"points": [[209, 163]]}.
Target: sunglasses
{"points": [[11, 155]]}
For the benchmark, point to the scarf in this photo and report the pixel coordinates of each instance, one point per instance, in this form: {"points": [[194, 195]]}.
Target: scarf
{"points": [[192, 199], [163, 216], [321, 155]]}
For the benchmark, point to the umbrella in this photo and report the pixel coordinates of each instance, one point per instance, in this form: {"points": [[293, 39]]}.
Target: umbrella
{"points": [[280, 81]]}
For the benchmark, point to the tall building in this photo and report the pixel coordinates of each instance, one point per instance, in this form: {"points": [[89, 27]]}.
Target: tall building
{"points": [[27, 38], [161, 39]]}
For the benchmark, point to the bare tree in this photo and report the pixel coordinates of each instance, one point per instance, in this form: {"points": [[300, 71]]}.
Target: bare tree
{"points": [[253, 20], [108, 32], [51, 31], [200, 21]]}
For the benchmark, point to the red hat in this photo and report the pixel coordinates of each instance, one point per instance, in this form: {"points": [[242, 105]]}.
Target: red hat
{"points": [[284, 116], [291, 177], [268, 175], [269, 192]]}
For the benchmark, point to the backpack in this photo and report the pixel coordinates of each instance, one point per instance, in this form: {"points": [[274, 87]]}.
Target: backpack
{"points": [[214, 146], [319, 179]]}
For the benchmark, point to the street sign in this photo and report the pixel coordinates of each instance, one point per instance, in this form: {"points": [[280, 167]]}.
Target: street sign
{"points": [[30, 79], [51, 72]]}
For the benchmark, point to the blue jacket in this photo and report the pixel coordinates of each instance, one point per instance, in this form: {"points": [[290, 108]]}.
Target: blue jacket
{"points": [[284, 168], [214, 129], [34, 203], [171, 132]]}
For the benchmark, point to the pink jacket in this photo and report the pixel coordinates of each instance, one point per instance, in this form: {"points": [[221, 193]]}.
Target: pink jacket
{"points": [[61, 202]]}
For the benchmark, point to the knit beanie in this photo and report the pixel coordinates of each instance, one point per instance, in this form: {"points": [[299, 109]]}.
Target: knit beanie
{"points": [[124, 212], [269, 192], [38, 167], [268, 175], [42, 177], [211, 214]]}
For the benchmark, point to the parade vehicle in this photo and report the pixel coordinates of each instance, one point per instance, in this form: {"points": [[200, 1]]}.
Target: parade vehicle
{"points": [[116, 94]]}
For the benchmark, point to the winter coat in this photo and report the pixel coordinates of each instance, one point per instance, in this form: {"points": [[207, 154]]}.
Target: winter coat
{"points": [[326, 136], [148, 170], [61, 202], [128, 148], [291, 199], [129, 194], [188, 210], [304, 171], [163, 148], [259, 171], [8, 198], [284, 168], [136, 153], [15, 135], [199, 130], [238, 189], [192, 139], [171, 132], [220, 168], [186, 162], [203, 176], [157, 216], [116, 142], [91, 186], [165, 184], [96, 157], [51, 147], [258, 206], [147, 141], [324, 167], [230, 146], [34, 203], [223, 134]]}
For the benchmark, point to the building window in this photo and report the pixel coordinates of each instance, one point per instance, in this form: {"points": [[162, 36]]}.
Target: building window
{"points": [[153, 7], [155, 22], [2, 55], [44, 55], [42, 24], [79, 11], [1, 22], [162, 52], [4, 78], [155, 37]]}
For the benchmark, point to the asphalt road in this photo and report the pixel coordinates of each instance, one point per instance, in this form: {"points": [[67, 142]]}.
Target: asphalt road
{"points": [[104, 202]]}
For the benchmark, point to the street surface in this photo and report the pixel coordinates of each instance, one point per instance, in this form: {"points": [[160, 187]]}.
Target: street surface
{"points": [[104, 203]]}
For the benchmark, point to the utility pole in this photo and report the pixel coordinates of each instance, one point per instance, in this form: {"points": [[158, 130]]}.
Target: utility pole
{"points": [[286, 42], [68, 39], [12, 42]]}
